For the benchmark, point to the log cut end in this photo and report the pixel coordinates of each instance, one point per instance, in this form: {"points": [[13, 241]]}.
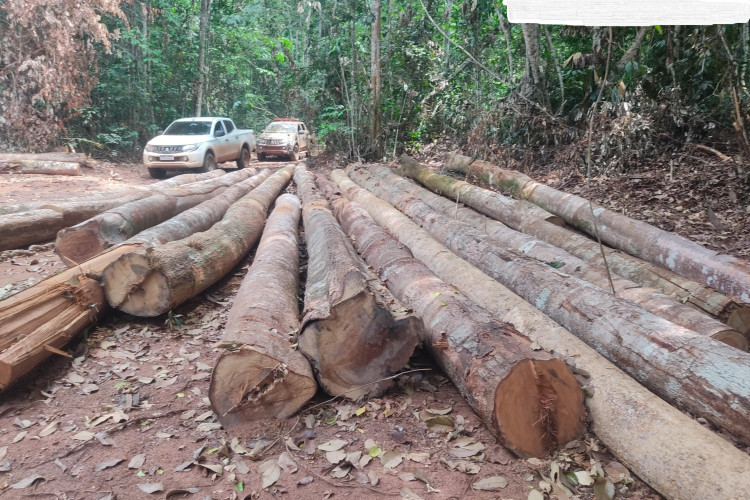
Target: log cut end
{"points": [[133, 286], [78, 244], [250, 385], [538, 407], [359, 346], [739, 319], [733, 338]]}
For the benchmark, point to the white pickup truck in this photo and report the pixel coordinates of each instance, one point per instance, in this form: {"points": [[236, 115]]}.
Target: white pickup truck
{"points": [[198, 143]]}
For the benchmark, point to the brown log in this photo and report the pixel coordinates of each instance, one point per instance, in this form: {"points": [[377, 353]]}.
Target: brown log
{"points": [[261, 376], [49, 314], [498, 206], [529, 399], [649, 298], [81, 158], [664, 447], [721, 272], [87, 239], [45, 167], [694, 372], [354, 339], [150, 282], [39, 222]]}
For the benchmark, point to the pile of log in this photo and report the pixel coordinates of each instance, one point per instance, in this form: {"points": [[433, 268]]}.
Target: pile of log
{"points": [[43, 163], [508, 302]]}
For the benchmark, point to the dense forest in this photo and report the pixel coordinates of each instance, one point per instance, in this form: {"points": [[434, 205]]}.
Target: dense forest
{"points": [[370, 78]]}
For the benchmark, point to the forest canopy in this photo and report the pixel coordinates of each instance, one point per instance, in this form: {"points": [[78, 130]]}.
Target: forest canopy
{"points": [[370, 78]]}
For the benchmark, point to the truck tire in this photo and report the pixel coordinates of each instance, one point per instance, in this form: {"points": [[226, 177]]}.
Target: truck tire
{"points": [[244, 159], [209, 163], [157, 173], [294, 154]]}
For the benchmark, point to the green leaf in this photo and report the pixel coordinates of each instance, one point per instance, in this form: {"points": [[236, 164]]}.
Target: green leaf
{"points": [[375, 451], [240, 486], [658, 28], [435, 295], [332, 420], [555, 264], [360, 411]]}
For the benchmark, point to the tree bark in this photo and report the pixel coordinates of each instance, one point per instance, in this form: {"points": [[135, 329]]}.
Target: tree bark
{"points": [[691, 371], [151, 282], [46, 167], [635, 46], [529, 399], [667, 449], [205, 14], [354, 339], [650, 299], [376, 83], [534, 82], [500, 207], [721, 272], [85, 240], [260, 375], [39, 222], [81, 158]]}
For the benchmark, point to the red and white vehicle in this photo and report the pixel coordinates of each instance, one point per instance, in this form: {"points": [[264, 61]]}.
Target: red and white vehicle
{"points": [[284, 137]]}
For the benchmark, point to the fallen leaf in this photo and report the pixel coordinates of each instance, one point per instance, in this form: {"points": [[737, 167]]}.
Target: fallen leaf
{"points": [[151, 487], [74, 378], [84, 436], [59, 463], [27, 481], [462, 466], [137, 461], [104, 439], [440, 412], [536, 495], [465, 447], [287, 463], [106, 465], [333, 445], [209, 426], [164, 435], [20, 436], [89, 388], [441, 424], [407, 476], [391, 459], [183, 466], [335, 457], [407, 494], [182, 491], [373, 478], [341, 471], [242, 467], [491, 483], [584, 478], [305, 480], [421, 458], [6, 466], [603, 489], [51, 427], [203, 416], [217, 468], [3, 452], [271, 472]]}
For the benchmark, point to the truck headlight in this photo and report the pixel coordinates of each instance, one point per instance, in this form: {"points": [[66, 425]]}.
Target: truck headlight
{"points": [[190, 147], [149, 148]]}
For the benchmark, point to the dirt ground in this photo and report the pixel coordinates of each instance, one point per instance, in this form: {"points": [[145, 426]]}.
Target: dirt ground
{"points": [[127, 416]]}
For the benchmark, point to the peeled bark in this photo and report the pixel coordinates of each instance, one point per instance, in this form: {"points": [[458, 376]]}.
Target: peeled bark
{"points": [[691, 371], [354, 339], [39, 222], [721, 272], [667, 449], [499, 207], [46, 167], [150, 282], [261, 376], [87, 239], [648, 298], [529, 399]]}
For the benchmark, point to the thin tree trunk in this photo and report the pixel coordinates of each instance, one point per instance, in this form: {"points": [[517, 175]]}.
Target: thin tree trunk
{"points": [[376, 83], [153, 281], [557, 68], [354, 339], [659, 440], [704, 376], [261, 376], [202, 49], [530, 400], [534, 82], [635, 46]]}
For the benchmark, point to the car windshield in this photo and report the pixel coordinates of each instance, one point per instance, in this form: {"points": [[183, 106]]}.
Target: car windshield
{"points": [[282, 127], [189, 128]]}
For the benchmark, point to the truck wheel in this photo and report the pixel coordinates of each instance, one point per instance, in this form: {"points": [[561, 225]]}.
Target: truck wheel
{"points": [[157, 173], [209, 163], [261, 156], [244, 159], [294, 154]]}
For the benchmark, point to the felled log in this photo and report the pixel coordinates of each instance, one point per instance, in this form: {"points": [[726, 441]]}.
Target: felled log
{"points": [[43, 163], [528, 398], [354, 340], [721, 272], [260, 375], [661, 445], [152, 281], [83, 241], [38, 321], [497, 206], [649, 298], [81, 158], [26, 225], [691, 371]]}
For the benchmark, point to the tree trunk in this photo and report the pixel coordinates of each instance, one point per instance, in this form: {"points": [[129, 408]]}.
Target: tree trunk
{"points": [[203, 41], [354, 339], [668, 450], [724, 273], [376, 83], [151, 282], [500, 207], [49, 314], [634, 48], [649, 298], [261, 376], [39, 222], [691, 371], [534, 82], [529, 399], [47, 167], [83, 241]]}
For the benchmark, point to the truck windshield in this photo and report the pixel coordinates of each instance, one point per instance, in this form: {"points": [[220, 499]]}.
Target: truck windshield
{"points": [[189, 128], [282, 127]]}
